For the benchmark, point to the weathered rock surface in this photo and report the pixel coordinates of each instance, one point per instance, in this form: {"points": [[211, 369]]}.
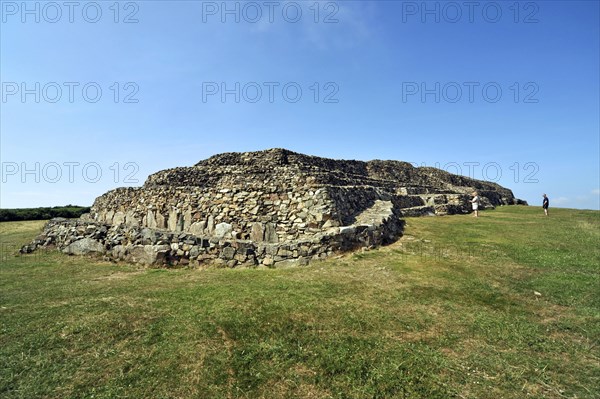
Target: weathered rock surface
{"points": [[84, 246], [265, 207]]}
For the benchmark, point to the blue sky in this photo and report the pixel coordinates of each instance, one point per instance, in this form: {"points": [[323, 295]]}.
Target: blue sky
{"points": [[504, 91]]}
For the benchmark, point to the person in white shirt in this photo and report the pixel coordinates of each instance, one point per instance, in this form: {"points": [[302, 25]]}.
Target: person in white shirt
{"points": [[475, 204]]}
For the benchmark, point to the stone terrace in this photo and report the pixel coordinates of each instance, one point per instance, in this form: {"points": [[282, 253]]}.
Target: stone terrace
{"points": [[278, 205]]}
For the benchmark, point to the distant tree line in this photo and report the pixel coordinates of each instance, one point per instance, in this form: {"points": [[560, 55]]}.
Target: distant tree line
{"points": [[68, 211]]}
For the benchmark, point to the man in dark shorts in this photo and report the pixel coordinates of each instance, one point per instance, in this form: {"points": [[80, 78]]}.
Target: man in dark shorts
{"points": [[545, 204]]}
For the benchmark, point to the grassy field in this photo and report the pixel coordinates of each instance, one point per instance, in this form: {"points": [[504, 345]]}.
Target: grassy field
{"points": [[503, 306]]}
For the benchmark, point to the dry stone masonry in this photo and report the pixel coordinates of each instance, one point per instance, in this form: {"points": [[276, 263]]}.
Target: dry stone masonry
{"points": [[270, 208]]}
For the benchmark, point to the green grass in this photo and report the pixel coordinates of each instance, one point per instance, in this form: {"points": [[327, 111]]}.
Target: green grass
{"points": [[447, 312]]}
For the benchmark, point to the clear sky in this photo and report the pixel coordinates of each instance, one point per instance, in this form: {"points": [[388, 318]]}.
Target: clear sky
{"points": [[98, 95]]}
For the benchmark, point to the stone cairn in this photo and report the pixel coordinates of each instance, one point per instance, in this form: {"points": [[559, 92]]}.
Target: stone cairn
{"points": [[270, 208]]}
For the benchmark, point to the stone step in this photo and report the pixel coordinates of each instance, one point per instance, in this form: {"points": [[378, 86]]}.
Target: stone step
{"points": [[418, 211], [416, 190], [375, 215], [443, 199]]}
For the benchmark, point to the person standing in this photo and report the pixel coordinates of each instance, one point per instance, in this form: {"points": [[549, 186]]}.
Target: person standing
{"points": [[475, 204], [545, 204]]}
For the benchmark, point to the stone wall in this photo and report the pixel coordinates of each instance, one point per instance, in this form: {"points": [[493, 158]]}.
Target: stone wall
{"points": [[265, 207], [264, 215], [294, 195], [148, 246]]}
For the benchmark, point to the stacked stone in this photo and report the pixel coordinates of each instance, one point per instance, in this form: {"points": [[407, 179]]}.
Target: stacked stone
{"points": [[266, 215], [166, 248], [264, 207]]}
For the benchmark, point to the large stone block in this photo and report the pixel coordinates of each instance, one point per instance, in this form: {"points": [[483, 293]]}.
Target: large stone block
{"points": [[257, 233], [150, 219], [187, 220], [228, 253], [84, 246], [173, 218], [271, 233], [131, 220], [223, 230], [118, 218], [160, 220], [197, 228], [210, 226], [144, 254]]}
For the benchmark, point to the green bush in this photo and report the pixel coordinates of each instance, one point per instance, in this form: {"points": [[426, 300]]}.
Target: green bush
{"points": [[68, 211]]}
